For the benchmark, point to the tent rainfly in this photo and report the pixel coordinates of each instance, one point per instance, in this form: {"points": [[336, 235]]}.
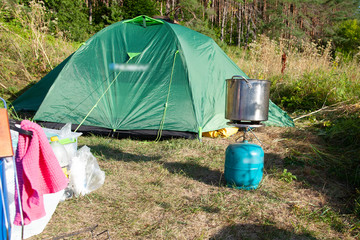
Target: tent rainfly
{"points": [[142, 76]]}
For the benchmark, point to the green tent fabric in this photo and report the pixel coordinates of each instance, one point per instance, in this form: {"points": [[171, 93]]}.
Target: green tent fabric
{"points": [[141, 73]]}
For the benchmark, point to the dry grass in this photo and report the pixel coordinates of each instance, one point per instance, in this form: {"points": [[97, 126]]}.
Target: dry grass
{"points": [[175, 190], [27, 51], [312, 78], [263, 59]]}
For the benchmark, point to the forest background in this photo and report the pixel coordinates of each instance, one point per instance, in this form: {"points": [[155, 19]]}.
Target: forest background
{"points": [[234, 22]]}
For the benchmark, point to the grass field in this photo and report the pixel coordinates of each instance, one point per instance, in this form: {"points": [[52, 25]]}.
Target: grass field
{"points": [[175, 189]]}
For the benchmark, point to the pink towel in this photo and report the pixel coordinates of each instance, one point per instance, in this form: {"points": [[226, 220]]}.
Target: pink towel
{"points": [[38, 171]]}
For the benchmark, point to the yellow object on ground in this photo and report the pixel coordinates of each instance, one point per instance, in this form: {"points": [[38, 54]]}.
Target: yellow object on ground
{"points": [[65, 171], [224, 132]]}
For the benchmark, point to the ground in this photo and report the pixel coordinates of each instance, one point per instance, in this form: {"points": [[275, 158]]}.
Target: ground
{"points": [[175, 189]]}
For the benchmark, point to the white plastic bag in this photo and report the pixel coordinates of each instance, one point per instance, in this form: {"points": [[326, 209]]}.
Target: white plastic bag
{"points": [[85, 173]]}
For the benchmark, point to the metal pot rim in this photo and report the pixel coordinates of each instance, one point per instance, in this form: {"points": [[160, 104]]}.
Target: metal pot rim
{"points": [[248, 79]]}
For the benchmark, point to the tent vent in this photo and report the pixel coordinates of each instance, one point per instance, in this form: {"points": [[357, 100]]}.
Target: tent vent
{"points": [[144, 21]]}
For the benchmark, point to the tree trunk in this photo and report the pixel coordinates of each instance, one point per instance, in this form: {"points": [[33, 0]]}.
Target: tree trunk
{"points": [[231, 25], [239, 25], [223, 22], [247, 23], [176, 11], [167, 7], [161, 9], [212, 18], [264, 11], [219, 13], [252, 22], [204, 9], [90, 11]]}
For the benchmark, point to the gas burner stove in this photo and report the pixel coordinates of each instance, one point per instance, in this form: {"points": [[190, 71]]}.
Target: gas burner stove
{"points": [[245, 124]]}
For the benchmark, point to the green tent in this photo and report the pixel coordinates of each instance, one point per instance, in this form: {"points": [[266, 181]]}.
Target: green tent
{"points": [[140, 74]]}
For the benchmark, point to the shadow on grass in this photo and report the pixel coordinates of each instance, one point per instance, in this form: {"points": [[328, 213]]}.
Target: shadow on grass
{"points": [[254, 231], [324, 161], [207, 175], [116, 154], [196, 172], [326, 158], [335, 150], [189, 169], [271, 160]]}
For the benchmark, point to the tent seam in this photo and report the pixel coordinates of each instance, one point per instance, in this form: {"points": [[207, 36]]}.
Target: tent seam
{"points": [[178, 44]]}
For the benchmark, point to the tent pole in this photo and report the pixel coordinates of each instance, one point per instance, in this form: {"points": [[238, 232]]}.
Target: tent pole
{"points": [[200, 134]]}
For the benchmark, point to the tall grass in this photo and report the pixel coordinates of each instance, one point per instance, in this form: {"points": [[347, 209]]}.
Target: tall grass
{"points": [[265, 58], [28, 52], [313, 75]]}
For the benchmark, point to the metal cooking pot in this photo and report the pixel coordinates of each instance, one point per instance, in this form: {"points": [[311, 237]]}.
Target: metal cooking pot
{"points": [[247, 99]]}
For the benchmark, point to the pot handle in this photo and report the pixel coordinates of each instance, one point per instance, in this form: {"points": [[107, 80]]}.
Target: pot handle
{"points": [[247, 81]]}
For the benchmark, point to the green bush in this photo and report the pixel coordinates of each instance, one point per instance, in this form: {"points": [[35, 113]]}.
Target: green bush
{"points": [[134, 8], [104, 15], [342, 136], [287, 176], [347, 37], [314, 90], [70, 18]]}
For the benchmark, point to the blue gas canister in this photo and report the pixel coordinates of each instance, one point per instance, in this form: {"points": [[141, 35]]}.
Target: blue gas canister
{"points": [[244, 164]]}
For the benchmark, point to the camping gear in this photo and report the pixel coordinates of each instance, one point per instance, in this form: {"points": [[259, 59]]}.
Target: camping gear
{"points": [[174, 85], [247, 105], [247, 99], [6, 150], [37, 226], [66, 137], [224, 132], [40, 171], [5, 227], [85, 173], [50, 200], [60, 152], [244, 163], [9, 184]]}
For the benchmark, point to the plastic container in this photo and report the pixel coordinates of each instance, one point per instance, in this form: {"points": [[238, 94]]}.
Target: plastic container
{"points": [[60, 152], [66, 138], [70, 145], [244, 164], [5, 227]]}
